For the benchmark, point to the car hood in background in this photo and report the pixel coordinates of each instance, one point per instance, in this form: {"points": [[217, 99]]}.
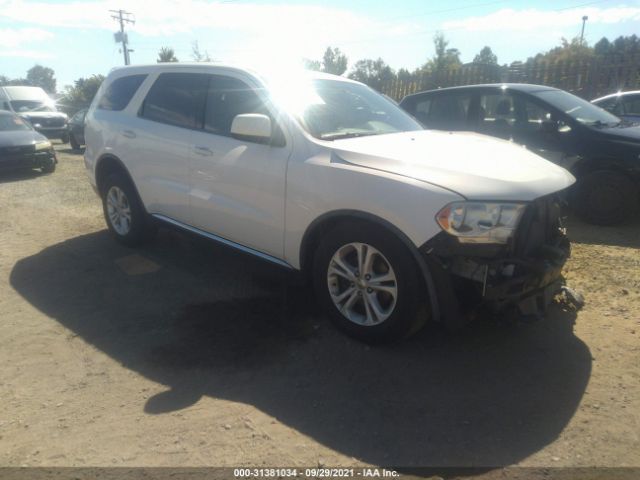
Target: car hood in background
{"points": [[20, 138], [475, 166], [39, 115], [625, 132]]}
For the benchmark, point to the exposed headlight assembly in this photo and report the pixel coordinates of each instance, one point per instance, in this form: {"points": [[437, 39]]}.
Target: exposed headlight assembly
{"points": [[480, 222], [44, 145]]}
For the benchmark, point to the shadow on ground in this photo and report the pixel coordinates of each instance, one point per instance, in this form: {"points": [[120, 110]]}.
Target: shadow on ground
{"points": [[213, 322], [20, 175]]}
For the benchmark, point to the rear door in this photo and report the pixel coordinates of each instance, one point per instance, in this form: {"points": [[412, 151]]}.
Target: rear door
{"points": [[159, 138]]}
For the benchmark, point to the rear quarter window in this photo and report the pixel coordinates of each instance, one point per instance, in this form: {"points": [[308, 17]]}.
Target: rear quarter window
{"points": [[120, 92]]}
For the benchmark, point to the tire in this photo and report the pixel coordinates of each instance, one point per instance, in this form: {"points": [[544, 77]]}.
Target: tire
{"points": [[399, 315], [49, 167], [64, 138], [605, 197], [126, 218], [74, 143]]}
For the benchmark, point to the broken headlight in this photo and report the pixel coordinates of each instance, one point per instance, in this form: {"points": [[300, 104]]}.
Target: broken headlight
{"points": [[481, 222]]}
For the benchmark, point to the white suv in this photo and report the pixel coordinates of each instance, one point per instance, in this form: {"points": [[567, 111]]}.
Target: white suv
{"points": [[394, 224]]}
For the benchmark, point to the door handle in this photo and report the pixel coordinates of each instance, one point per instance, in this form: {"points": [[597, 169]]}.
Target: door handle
{"points": [[204, 151], [129, 133]]}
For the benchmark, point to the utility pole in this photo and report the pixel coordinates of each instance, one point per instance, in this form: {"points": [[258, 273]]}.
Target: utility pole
{"points": [[121, 37], [584, 20]]}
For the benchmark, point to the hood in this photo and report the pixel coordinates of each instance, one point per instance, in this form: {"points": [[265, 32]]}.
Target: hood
{"points": [[20, 138], [475, 166], [34, 115], [627, 132]]}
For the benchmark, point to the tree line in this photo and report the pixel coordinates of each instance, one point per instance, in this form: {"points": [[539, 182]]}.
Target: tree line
{"points": [[374, 72]]}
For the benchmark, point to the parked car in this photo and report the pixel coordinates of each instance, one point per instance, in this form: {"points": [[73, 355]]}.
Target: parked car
{"points": [[321, 174], [623, 104], [76, 129], [21, 147], [34, 105], [599, 149]]}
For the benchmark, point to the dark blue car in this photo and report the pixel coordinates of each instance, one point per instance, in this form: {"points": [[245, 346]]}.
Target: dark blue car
{"points": [[600, 149]]}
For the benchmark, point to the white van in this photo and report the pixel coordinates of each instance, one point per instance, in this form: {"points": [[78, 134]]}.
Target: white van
{"points": [[394, 224], [33, 104]]}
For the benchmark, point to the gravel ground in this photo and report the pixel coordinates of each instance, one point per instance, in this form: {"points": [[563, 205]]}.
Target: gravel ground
{"points": [[188, 354]]}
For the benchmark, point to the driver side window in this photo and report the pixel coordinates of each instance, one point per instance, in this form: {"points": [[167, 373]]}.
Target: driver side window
{"points": [[226, 98]]}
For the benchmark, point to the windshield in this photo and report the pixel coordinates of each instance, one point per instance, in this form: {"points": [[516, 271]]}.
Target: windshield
{"points": [[577, 108], [22, 106], [333, 109], [10, 123]]}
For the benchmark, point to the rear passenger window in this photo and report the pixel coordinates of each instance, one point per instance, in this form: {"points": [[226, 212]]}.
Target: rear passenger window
{"points": [[497, 115], [449, 112], [177, 99], [226, 98], [422, 110], [120, 92]]}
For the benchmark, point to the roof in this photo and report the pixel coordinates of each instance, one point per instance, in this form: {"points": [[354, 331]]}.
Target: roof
{"points": [[266, 74], [617, 94], [518, 87]]}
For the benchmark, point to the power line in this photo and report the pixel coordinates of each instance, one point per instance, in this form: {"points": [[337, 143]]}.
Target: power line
{"points": [[121, 37]]}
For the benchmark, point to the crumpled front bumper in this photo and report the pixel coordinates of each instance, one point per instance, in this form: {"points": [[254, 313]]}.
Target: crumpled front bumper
{"points": [[523, 276]]}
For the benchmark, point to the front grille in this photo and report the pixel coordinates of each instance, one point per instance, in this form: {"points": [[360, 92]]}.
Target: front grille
{"points": [[7, 152], [48, 122]]}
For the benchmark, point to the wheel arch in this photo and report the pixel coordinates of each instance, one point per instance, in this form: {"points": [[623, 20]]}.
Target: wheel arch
{"points": [[108, 164], [329, 220]]}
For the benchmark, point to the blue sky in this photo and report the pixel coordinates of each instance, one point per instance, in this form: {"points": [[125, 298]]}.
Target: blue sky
{"points": [[75, 38]]}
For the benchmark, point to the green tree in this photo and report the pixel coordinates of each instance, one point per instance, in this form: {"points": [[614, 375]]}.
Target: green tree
{"points": [[166, 55], [43, 77], [81, 94], [197, 55], [566, 51], [311, 64], [444, 58], [486, 56], [334, 61], [375, 73]]}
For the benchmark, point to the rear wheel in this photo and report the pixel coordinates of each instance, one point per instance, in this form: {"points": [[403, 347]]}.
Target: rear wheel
{"points": [[369, 283], [125, 216], [605, 197]]}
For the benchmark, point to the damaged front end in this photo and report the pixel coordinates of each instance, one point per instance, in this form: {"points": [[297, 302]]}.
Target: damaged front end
{"points": [[510, 264]]}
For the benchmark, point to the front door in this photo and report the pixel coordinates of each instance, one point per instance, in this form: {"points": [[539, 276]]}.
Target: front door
{"points": [[237, 186]]}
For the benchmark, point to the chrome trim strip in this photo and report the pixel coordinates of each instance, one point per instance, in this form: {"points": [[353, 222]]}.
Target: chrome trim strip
{"points": [[224, 241]]}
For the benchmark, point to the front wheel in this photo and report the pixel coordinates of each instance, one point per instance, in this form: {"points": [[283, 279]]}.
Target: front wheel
{"points": [[74, 143], [125, 216], [64, 138], [605, 197], [369, 283]]}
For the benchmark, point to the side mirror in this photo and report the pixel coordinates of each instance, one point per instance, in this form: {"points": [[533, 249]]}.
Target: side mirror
{"points": [[253, 127]]}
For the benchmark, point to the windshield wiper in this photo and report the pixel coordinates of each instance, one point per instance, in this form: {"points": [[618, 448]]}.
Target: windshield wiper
{"points": [[341, 136]]}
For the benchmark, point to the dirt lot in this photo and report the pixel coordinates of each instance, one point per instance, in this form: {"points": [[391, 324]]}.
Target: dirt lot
{"points": [[186, 353]]}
